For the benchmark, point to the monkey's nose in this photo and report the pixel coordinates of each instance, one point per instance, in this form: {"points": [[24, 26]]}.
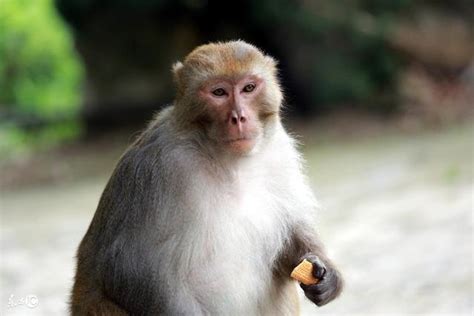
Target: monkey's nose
{"points": [[237, 118]]}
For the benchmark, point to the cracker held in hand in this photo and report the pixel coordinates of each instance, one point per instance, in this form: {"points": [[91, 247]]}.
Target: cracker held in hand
{"points": [[304, 273]]}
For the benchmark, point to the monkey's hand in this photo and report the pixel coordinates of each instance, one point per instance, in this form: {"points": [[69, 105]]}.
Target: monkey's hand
{"points": [[330, 282]]}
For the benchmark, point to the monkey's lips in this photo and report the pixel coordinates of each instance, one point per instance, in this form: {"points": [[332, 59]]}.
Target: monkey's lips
{"points": [[241, 144]]}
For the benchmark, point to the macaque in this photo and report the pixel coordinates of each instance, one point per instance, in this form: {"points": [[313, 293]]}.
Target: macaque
{"points": [[208, 211]]}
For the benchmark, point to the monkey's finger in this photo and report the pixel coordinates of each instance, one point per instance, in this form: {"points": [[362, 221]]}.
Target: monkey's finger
{"points": [[318, 271], [314, 289], [319, 268]]}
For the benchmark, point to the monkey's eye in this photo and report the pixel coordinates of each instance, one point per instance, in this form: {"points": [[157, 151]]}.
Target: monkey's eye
{"points": [[249, 88], [219, 92]]}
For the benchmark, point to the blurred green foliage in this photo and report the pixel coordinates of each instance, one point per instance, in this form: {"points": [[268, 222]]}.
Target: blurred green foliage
{"points": [[40, 75], [39, 71], [16, 141]]}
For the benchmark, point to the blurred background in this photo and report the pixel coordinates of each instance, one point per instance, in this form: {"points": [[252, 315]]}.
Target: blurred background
{"points": [[380, 92]]}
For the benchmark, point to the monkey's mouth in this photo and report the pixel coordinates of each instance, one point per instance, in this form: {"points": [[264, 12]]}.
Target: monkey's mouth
{"points": [[241, 144], [243, 139], [239, 139]]}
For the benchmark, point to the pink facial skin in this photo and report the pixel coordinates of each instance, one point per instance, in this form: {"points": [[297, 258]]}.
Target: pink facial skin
{"points": [[232, 104]]}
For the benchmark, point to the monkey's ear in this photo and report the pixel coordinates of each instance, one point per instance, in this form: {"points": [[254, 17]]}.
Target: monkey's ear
{"points": [[177, 76], [177, 67]]}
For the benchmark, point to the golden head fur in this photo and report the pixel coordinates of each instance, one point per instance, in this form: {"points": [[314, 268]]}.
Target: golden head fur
{"points": [[223, 60]]}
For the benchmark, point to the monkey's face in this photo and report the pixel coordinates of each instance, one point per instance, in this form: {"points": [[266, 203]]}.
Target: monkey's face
{"points": [[231, 89], [232, 111]]}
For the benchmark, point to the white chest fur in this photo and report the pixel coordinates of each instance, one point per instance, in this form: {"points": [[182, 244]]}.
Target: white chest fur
{"points": [[236, 237], [229, 227]]}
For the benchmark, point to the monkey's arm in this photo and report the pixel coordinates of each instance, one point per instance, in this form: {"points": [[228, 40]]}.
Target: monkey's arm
{"points": [[305, 244], [114, 268]]}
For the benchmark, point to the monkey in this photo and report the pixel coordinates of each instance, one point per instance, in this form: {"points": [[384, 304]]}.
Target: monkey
{"points": [[209, 209]]}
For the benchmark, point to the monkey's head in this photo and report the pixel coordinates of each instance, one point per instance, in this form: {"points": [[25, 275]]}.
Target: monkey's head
{"points": [[230, 91]]}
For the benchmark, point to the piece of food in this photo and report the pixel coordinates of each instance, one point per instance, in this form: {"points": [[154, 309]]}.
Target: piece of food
{"points": [[304, 273]]}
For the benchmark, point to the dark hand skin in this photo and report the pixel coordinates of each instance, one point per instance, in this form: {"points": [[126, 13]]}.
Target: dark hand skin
{"points": [[305, 244], [329, 285]]}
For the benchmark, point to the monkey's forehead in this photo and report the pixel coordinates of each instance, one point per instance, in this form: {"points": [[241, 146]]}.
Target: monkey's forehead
{"points": [[228, 68], [228, 58], [223, 63], [239, 50]]}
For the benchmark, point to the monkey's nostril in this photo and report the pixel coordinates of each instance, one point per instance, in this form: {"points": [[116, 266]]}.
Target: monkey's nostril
{"points": [[243, 119], [234, 120]]}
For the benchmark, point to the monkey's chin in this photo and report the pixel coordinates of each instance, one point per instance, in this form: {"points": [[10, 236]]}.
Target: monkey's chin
{"points": [[241, 146]]}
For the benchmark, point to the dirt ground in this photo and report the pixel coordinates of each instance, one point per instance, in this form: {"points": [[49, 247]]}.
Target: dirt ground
{"points": [[396, 216]]}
